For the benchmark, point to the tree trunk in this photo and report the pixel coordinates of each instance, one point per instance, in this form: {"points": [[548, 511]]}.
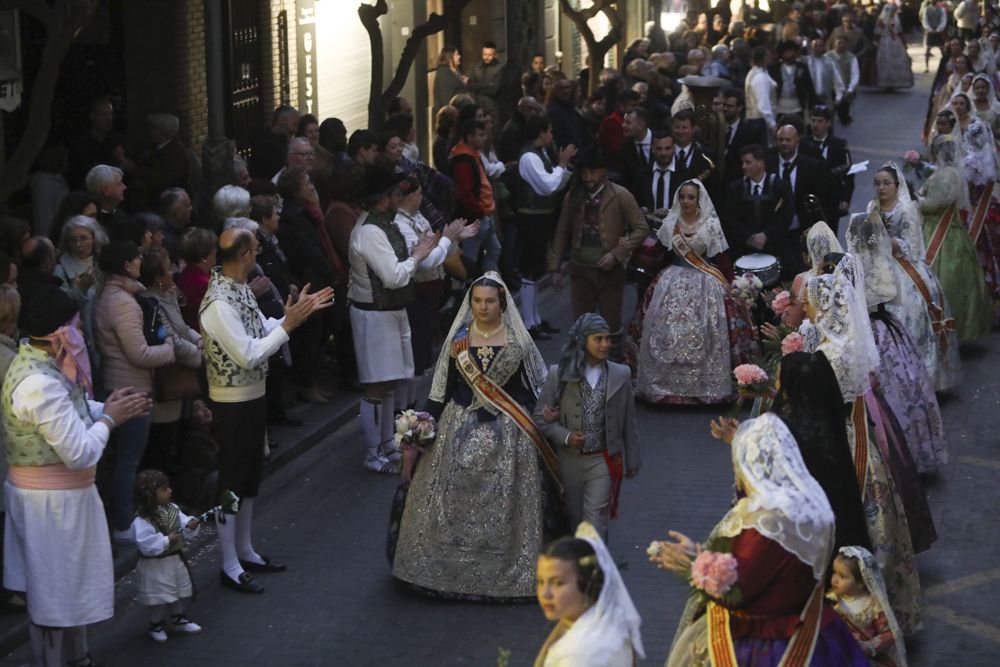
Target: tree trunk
{"points": [[596, 50], [63, 22], [379, 99]]}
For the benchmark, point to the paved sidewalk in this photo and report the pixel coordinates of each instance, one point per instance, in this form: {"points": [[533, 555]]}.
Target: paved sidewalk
{"points": [[326, 517]]}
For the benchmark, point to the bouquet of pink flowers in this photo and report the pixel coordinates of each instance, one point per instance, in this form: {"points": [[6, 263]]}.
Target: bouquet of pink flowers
{"points": [[781, 303], [746, 288], [414, 431], [916, 170], [793, 342], [748, 375], [714, 573]]}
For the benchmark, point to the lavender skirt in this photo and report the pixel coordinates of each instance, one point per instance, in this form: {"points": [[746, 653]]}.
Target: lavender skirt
{"points": [[835, 647]]}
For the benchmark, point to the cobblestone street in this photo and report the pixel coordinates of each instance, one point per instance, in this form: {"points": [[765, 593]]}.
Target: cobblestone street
{"points": [[326, 517]]}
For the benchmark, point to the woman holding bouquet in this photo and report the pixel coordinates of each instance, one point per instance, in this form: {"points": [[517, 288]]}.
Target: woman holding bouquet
{"points": [[697, 332], [920, 305], [901, 375], [473, 523], [761, 573]]}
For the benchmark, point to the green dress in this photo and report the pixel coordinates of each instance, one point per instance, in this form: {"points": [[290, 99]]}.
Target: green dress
{"points": [[956, 264]]}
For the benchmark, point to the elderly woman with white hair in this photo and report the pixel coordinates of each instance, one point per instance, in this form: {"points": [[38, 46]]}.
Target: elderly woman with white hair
{"points": [[231, 201], [80, 243]]}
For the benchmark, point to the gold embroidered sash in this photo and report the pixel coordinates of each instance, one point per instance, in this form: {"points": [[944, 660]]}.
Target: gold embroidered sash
{"points": [[493, 394], [800, 646], [859, 418], [940, 325], [939, 233], [982, 208]]}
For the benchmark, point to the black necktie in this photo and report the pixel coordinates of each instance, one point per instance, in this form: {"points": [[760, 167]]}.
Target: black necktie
{"points": [[756, 189], [786, 172], [681, 159], [661, 188], [729, 135]]}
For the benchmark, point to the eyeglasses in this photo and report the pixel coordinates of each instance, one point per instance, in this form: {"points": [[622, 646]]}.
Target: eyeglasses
{"points": [[74, 240]]}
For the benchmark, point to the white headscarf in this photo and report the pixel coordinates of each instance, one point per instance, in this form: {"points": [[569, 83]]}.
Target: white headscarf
{"points": [[783, 501], [948, 170], [709, 229], [980, 163], [820, 241], [869, 241], [872, 577], [517, 335], [911, 224], [601, 630]]}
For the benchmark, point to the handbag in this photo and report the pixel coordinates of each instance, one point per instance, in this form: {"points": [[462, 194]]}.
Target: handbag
{"points": [[175, 382], [152, 329]]}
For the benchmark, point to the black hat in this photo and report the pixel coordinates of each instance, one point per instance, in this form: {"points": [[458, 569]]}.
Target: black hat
{"points": [[789, 45], [50, 308], [378, 182], [823, 111], [591, 157]]}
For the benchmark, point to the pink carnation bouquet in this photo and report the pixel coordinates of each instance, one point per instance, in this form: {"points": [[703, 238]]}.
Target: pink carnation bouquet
{"points": [[781, 303], [714, 573], [793, 342], [911, 156], [749, 374]]}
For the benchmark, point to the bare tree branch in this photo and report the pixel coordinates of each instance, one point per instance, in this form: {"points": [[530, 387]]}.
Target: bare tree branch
{"points": [[63, 24], [369, 15], [596, 50]]}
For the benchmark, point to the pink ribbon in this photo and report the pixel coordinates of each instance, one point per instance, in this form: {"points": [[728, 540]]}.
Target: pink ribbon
{"points": [[70, 351]]}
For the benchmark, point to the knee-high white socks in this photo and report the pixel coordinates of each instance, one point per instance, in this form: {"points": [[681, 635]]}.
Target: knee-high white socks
{"points": [[529, 306], [372, 430], [56, 647], [387, 426], [235, 537], [244, 532]]}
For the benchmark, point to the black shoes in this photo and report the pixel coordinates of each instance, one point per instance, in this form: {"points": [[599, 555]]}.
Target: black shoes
{"points": [[538, 334], [267, 566], [548, 328], [246, 584]]}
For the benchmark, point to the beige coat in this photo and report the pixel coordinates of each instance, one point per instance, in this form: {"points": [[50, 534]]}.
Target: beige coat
{"points": [[126, 359], [619, 216], [619, 413]]}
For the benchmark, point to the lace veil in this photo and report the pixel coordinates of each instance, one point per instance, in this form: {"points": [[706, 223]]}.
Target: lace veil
{"points": [[947, 152], [599, 632], [869, 242], [517, 334], [980, 162], [783, 502], [872, 577], [709, 229], [820, 241], [910, 224]]}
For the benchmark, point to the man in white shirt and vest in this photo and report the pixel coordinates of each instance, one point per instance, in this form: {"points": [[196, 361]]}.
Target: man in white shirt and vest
{"points": [[238, 341]]}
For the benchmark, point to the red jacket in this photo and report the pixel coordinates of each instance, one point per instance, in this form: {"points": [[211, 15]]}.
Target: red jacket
{"points": [[473, 191]]}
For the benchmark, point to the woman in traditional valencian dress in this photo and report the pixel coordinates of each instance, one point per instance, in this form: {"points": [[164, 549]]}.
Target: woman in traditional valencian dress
{"points": [[780, 532], [689, 333], [961, 106], [920, 305], [892, 63], [838, 330], [985, 104], [473, 523], [979, 166], [901, 375], [950, 252]]}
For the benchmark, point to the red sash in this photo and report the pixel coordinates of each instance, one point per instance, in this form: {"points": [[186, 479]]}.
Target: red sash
{"points": [[800, 646], [939, 324], [859, 418], [939, 233], [982, 208], [616, 469], [501, 400]]}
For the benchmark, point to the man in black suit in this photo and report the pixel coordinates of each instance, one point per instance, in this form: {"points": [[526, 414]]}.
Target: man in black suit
{"points": [[795, 85], [655, 187], [805, 176], [634, 158], [759, 211], [740, 132], [837, 158], [693, 160]]}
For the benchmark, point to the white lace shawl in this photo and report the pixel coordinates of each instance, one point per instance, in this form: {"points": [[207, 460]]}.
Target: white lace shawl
{"points": [[598, 636], [820, 241], [872, 576], [980, 163], [517, 334], [908, 218], [709, 231], [783, 502], [869, 242]]}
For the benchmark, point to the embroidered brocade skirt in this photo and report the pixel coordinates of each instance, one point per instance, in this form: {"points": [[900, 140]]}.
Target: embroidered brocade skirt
{"points": [[473, 522]]}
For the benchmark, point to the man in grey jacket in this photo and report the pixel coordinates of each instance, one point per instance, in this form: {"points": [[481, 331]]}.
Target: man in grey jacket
{"points": [[485, 81], [587, 411]]}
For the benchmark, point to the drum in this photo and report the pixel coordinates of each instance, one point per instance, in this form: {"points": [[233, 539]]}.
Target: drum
{"points": [[646, 262], [764, 266]]}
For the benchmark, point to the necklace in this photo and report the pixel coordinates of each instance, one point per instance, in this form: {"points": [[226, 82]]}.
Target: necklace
{"points": [[484, 334]]}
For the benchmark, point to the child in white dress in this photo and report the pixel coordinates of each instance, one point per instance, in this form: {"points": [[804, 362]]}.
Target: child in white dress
{"points": [[159, 531]]}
